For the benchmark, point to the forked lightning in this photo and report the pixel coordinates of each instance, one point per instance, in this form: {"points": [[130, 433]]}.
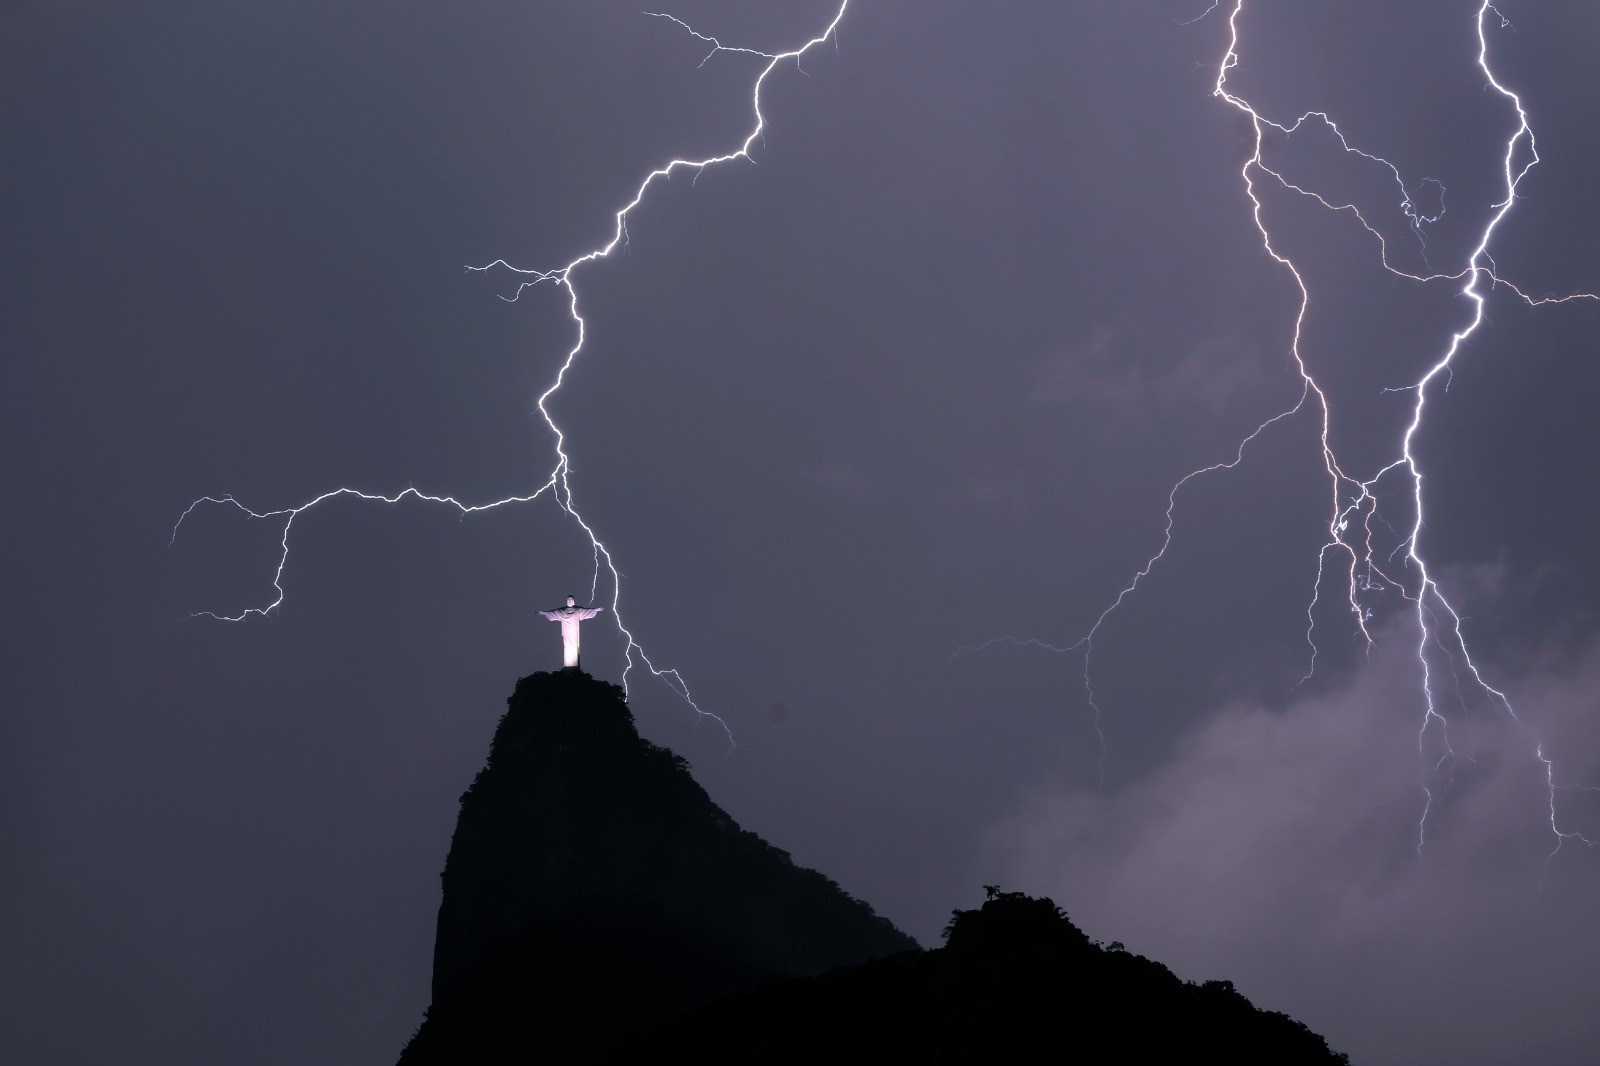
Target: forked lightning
{"points": [[558, 481]]}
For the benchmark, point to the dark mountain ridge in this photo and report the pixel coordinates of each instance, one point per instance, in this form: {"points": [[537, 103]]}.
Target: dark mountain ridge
{"points": [[1016, 982], [598, 906]]}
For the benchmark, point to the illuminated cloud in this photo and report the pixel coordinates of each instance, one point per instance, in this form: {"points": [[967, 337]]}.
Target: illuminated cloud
{"points": [[1276, 850]]}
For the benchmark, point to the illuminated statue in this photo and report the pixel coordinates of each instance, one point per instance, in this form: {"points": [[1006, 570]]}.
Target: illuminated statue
{"points": [[570, 616]]}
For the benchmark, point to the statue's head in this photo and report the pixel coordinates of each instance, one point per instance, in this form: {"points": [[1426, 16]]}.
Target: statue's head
{"points": [[571, 602]]}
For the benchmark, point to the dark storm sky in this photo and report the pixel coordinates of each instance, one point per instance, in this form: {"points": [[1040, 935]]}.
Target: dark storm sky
{"points": [[920, 377]]}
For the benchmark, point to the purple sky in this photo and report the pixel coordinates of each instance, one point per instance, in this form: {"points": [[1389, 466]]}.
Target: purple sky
{"points": [[921, 377]]}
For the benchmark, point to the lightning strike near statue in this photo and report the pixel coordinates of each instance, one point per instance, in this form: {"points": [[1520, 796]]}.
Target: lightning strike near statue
{"points": [[1374, 552], [557, 481]]}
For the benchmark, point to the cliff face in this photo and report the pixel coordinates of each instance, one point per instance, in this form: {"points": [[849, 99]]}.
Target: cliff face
{"points": [[592, 889]]}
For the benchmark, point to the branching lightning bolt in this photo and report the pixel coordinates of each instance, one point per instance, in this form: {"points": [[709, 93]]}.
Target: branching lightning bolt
{"points": [[1354, 505], [558, 482]]}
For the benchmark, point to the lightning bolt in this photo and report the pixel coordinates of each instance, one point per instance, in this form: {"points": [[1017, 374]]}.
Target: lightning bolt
{"points": [[557, 483], [1350, 548]]}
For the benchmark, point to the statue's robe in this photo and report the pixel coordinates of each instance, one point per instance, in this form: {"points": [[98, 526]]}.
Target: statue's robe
{"points": [[570, 617]]}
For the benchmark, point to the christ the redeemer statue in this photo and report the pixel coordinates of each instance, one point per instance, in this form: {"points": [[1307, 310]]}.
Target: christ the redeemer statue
{"points": [[569, 617]]}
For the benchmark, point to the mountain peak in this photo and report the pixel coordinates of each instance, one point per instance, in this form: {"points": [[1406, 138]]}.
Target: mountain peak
{"points": [[593, 888]]}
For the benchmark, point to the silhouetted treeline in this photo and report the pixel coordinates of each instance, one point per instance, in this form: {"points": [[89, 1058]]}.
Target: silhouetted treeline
{"points": [[1016, 982]]}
